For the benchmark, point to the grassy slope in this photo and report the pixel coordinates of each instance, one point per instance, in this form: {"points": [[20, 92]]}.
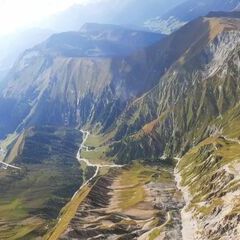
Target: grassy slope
{"points": [[132, 181], [49, 177], [67, 213], [96, 143]]}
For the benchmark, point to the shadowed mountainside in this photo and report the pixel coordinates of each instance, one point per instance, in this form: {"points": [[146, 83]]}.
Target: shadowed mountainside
{"points": [[49, 174], [66, 83]]}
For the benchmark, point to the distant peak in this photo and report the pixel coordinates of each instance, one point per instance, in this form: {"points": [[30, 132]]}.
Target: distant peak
{"points": [[221, 14], [98, 26]]}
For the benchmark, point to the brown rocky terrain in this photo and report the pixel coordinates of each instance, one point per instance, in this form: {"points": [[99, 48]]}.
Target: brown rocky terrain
{"points": [[139, 207]]}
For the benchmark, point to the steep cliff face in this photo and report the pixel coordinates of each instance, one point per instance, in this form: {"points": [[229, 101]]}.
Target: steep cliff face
{"points": [[75, 77]]}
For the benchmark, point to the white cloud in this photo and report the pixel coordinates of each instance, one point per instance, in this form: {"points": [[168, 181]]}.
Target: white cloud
{"points": [[16, 14]]}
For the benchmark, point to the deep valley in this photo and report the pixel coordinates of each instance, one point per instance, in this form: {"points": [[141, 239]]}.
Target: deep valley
{"points": [[116, 132]]}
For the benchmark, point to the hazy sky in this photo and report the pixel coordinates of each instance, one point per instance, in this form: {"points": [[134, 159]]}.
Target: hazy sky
{"points": [[16, 14]]}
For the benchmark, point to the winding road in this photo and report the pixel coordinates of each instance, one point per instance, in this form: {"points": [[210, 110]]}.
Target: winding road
{"points": [[5, 166], [88, 163]]}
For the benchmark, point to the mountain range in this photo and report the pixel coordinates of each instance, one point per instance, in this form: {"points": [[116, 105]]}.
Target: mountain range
{"points": [[187, 11], [155, 16], [160, 139]]}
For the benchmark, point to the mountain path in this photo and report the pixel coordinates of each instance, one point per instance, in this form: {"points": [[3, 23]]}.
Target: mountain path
{"points": [[6, 165], [88, 163]]}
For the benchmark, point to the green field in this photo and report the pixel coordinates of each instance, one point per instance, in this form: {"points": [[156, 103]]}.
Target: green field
{"points": [[98, 149]]}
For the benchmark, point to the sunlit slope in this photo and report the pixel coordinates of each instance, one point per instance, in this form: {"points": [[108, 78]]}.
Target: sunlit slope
{"points": [[201, 86]]}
